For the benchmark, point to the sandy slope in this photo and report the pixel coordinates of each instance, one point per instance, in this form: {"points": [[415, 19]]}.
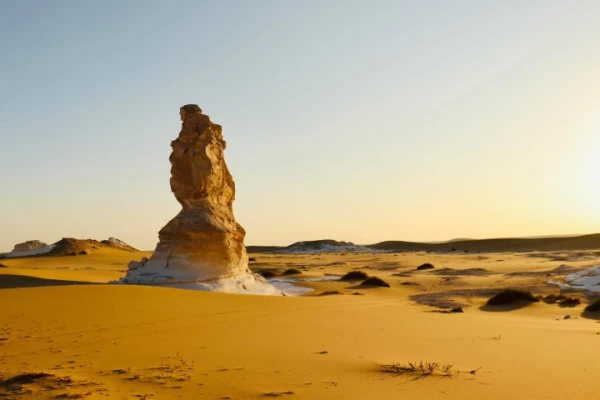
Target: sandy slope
{"points": [[100, 267], [124, 342]]}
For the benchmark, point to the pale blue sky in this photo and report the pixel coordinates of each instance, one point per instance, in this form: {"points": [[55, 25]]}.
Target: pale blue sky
{"points": [[353, 120]]}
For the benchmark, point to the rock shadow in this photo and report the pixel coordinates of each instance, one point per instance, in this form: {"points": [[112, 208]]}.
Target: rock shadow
{"points": [[22, 281], [506, 307], [595, 315]]}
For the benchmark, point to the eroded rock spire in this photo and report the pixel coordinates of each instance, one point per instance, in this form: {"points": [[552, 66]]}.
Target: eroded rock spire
{"points": [[203, 246]]}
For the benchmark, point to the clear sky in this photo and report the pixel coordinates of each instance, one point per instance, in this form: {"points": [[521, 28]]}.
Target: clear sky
{"points": [[353, 120]]}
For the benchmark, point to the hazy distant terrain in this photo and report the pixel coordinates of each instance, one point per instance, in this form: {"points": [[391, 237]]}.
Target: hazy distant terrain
{"points": [[550, 243]]}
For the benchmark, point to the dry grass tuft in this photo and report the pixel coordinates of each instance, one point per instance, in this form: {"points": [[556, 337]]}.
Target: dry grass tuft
{"points": [[562, 300], [375, 281], [425, 266], [420, 369], [267, 273], [570, 302], [593, 307], [329, 293], [355, 276], [509, 296], [291, 271], [23, 379], [278, 394]]}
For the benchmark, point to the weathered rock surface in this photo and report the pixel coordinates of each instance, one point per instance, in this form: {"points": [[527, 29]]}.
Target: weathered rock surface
{"points": [[29, 245], [65, 247], [203, 243], [114, 242], [29, 248]]}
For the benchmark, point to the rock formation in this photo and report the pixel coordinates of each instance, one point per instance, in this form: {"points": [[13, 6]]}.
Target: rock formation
{"points": [[203, 246], [66, 247], [29, 245], [28, 249]]}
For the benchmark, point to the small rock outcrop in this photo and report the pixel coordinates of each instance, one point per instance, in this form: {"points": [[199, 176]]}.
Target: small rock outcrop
{"points": [[29, 245], [65, 247], [114, 242], [323, 246], [203, 246], [29, 248]]}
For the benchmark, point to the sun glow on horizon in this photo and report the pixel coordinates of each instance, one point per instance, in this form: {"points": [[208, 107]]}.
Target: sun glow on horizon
{"points": [[592, 174], [579, 179]]}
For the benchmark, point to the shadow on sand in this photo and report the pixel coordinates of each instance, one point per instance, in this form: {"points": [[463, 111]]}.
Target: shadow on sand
{"points": [[506, 307], [591, 315], [21, 281]]}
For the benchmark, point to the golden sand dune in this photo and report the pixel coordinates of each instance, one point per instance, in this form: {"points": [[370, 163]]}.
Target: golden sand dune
{"points": [[60, 338]]}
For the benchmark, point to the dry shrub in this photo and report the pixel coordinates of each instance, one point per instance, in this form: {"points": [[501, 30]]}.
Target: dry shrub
{"points": [[375, 281], [421, 368], [291, 271], [509, 296], [355, 276], [570, 302], [267, 273], [329, 293], [593, 307]]}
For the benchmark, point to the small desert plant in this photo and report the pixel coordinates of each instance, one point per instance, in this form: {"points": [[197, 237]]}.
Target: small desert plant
{"points": [[550, 299], [562, 300], [181, 361], [509, 296], [453, 310], [410, 284], [177, 363], [354, 276], [593, 307], [23, 379], [267, 273], [570, 302], [425, 266], [291, 271], [329, 293], [375, 281], [421, 368], [278, 394]]}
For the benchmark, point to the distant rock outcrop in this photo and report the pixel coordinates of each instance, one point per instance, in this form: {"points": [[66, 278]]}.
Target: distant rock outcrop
{"points": [[29, 245], [65, 247], [72, 246], [28, 249], [114, 242], [203, 246], [323, 246]]}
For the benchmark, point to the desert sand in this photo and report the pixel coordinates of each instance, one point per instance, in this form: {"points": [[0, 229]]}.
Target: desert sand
{"points": [[82, 338]]}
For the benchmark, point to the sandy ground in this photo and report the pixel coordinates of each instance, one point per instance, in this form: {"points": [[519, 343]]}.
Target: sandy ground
{"points": [[85, 339]]}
